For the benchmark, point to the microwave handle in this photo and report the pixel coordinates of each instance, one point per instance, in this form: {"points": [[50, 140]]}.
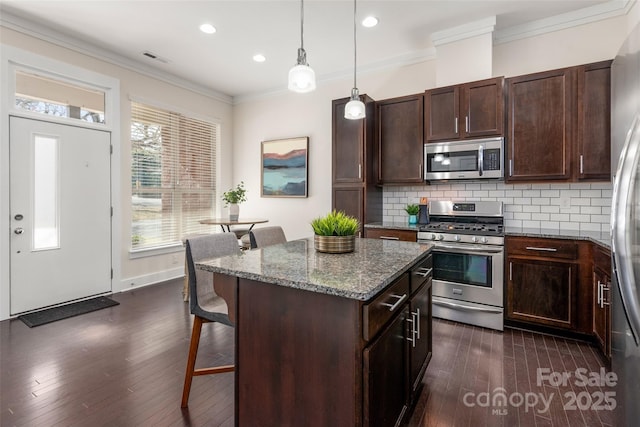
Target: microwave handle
{"points": [[480, 160]]}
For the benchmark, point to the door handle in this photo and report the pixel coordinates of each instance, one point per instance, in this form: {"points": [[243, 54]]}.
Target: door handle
{"points": [[18, 230]]}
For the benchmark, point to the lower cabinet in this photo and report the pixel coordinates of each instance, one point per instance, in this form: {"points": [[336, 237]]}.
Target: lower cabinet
{"points": [[397, 356], [602, 300]]}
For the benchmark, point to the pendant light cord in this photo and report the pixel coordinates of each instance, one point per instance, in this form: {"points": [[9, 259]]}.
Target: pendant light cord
{"points": [[301, 24], [355, 45]]}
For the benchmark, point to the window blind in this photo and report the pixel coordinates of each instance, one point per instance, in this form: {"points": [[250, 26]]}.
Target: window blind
{"points": [[173, 170]]}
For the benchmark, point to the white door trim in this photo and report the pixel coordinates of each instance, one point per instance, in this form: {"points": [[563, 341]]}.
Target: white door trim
{"points": [[11, 58]]}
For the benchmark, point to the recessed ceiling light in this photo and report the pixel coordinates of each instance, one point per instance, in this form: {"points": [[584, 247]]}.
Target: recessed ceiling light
{"points": [[207, 28], [370, 21], [259, 57]]}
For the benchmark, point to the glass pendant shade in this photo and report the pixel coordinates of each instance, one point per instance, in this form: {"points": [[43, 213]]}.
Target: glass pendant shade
{"points": [[302, 78], [354, 109]]}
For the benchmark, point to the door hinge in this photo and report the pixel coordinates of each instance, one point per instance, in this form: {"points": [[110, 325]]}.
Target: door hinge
{"points": [[112, 273], [111, 211], [110, 148]]}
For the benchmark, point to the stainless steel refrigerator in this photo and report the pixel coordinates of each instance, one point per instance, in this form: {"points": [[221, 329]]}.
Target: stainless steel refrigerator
{"points": [[625, 229]]}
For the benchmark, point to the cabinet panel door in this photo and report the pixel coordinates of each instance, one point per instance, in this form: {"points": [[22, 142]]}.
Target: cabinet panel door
{"points": [[350, 200], [594, 121], [542, 292], [540, 126], [347, 145], [600, 323], [385, 388], [482, 113], [420, 352], [441, 113], [400, 138]]}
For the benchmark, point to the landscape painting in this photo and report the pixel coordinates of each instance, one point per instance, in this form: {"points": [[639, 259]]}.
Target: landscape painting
{"points": [[284, 167]]}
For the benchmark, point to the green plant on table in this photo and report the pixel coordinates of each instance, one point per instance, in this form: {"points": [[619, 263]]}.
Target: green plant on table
{"points": [[412, 209], [237, 195], [335, 223]]}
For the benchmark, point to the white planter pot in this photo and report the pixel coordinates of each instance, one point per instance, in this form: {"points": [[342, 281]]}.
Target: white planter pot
{"points": [[234, 211]]}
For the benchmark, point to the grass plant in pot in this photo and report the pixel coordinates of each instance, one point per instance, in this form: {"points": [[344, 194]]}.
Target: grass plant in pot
{"points": [[335, 233], [233, 198], [412, 210]]}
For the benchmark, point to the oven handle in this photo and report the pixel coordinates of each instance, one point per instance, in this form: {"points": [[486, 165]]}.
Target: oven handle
{"points": [[468, 249], [464, 307]]}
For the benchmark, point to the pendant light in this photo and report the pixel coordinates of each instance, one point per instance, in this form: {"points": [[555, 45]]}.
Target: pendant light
{"points": [[302, 78], [354, 109]]}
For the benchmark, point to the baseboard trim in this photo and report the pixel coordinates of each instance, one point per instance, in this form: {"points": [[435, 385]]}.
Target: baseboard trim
{"points": [[150, 279]]}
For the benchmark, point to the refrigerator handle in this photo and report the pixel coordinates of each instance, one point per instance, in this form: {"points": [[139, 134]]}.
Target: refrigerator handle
{"points": [[622, 261]]}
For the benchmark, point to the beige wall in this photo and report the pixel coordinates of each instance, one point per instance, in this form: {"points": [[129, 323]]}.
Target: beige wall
{"points": [[145, 270]]}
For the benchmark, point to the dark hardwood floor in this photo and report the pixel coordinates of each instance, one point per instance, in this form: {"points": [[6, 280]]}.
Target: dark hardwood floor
{"points": [[124, 366]]}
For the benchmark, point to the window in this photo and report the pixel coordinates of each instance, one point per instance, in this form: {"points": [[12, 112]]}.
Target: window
{"points": [[173, 172], [52, 97]]}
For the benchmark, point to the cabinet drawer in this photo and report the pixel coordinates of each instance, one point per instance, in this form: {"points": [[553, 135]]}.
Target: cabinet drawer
{"points": [[389, 234], [546, 248], [421, 273], [379, 311]]}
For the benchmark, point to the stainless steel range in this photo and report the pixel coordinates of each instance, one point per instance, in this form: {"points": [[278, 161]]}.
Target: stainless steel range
{"points": [[468, 261]]}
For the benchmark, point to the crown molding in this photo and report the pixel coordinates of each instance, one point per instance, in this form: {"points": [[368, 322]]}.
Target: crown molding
{"points": [[47, 34], [563, 21], [465, 31]]}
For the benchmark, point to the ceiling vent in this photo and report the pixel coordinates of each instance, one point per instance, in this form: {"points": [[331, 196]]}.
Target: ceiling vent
{"points": [[156, 57]]}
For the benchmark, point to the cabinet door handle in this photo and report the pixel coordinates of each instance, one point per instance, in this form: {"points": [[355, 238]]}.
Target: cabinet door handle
{"points": [[412, 340], [510, 271], [424, 272], [605, 288], [360, 171], [510, 168], [581, 164], [392, 307], [534, 248], [466, 124], [389, 238], [455, 124], [599, 294], [418, 321]]}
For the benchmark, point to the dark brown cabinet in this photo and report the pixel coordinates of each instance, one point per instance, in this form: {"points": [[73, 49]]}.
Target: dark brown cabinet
{"points": [[594, 122], [542, 285], [353, 164], [391, 234], [540, 125], [602, 299], [470, 110], [559, 124], [397, 357], [400, 139]]}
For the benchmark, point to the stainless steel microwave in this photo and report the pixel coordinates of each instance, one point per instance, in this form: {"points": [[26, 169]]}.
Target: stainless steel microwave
{"points": [[472, 159]]}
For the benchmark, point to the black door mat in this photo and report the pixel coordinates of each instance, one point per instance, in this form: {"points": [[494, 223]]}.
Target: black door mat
{"points": [[65, 311]]}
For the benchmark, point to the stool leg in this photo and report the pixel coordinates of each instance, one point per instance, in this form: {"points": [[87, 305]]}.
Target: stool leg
{"points": [[191, 361]]}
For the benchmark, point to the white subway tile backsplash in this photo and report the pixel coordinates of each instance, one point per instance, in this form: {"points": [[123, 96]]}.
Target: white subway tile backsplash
{"points": [[577, 206]]}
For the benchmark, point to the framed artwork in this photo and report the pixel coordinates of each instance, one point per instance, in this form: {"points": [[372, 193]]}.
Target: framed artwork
{"points": [[284, 167]]}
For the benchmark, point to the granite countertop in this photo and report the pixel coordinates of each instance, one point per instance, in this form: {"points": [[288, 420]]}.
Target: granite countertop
{"points": [[357, 275], [601, 238]]}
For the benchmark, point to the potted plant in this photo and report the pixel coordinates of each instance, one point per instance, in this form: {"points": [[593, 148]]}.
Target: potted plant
{"points": [[412, 210], [233, 198], [335, 233]]}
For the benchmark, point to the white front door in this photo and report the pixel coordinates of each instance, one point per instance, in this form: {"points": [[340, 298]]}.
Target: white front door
{"points": [[60, 202]]}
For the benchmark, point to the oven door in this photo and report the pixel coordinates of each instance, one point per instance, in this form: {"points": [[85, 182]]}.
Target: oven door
{"points": [[467, 272]]}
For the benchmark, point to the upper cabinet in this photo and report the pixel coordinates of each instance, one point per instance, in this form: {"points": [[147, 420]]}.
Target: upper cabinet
{"points": [[400, 139], [594, 122], [469, 110], [558, 125]]}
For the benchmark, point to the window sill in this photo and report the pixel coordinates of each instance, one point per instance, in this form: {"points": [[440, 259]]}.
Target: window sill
{"points": [[143, 253]]}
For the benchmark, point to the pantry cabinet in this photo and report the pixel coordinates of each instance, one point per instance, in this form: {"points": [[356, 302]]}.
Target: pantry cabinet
{"points": [[353, 163], [469, 110]]}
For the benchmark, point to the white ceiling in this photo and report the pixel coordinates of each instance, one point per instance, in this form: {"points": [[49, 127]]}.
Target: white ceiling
{"points": [[122, 30]]}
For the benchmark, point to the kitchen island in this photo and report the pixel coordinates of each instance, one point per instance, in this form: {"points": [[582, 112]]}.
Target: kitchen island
{"points": [[326, 339]]}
